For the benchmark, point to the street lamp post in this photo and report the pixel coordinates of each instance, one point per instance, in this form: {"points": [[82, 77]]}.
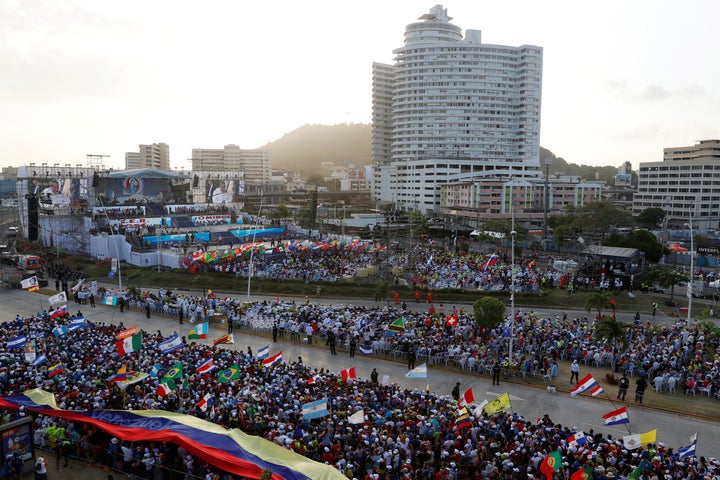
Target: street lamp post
{"points": [[252, 248], [512, 278], [692, 262], [546, 202]]}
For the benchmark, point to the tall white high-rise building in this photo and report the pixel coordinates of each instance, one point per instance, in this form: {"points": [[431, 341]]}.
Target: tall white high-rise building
{"points": [[451, 109]]}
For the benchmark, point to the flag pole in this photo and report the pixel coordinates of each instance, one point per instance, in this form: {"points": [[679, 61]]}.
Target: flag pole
{"points": [[627, 425]]}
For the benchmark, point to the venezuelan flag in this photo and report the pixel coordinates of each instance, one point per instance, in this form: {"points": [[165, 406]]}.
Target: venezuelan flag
{"points": [[231, 450]]}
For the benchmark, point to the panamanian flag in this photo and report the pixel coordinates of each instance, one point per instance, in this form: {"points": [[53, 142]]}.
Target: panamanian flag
{"points": [[577, 438], [205, 402]]}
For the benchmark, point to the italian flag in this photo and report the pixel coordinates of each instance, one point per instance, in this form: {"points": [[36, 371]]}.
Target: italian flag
{"points": [[129, 344]]}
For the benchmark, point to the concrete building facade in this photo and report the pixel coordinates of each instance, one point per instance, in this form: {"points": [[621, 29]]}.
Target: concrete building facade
{"points": [[155, 155], [255, 164], [499, 198], [450, 109], [686, 183]]}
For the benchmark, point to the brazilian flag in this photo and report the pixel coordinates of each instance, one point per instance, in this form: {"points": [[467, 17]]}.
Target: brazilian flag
{"points": [[174, 373], [229, 374]]}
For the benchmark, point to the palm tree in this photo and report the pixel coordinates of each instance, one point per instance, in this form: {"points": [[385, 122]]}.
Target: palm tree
{"points": [[599, 301], [667, 277], [610, 330]]}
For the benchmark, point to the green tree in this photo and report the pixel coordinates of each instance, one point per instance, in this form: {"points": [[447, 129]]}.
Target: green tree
{"points": [[610, 330], [666, 277], [650, 217], [382, 291], [489, 312], [643, 240], [599, 301], [281, 212]]}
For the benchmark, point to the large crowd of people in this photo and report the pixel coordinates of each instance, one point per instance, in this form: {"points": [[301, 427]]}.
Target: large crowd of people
{"points": [[404, 434]]}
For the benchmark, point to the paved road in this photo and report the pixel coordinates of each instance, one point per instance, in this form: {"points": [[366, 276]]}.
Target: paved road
{"points": [[530, 401]]}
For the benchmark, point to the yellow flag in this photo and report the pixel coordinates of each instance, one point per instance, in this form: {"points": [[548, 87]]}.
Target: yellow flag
{"points": [[498, 405], [639, 439], [648, 437]]}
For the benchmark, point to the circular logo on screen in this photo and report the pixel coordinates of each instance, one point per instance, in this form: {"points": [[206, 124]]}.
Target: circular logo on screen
{"points": [[133, 185]]}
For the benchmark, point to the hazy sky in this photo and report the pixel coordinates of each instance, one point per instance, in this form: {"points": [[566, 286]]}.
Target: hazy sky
{"points": [[621, 79]]}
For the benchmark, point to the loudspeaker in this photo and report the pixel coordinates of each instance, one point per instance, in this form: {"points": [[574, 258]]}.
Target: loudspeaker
{"points": [[96, 180], [196, 180], [33, 218]]}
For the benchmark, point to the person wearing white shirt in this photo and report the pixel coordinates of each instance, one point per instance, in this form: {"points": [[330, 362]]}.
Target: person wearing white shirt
{"points": [[221, 195], [58, 198]]}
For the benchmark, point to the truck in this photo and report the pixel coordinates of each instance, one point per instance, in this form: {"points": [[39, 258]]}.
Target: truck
{"points": [[29, 263], [15, 268]]}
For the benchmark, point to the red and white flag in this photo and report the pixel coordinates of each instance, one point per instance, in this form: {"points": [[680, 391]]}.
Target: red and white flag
{"points": [[347, 374], [270, 361], [467, 398]]}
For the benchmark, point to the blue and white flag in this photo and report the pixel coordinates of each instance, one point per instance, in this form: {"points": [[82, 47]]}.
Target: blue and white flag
{"points": [[263, 353], [39, 360], [17, 342], [155, 370], [205, 402], [60, 330], [171, 344], [366, 349], [76, 323], [315, 409], [418, 372], [577, 438], [688, 451]]}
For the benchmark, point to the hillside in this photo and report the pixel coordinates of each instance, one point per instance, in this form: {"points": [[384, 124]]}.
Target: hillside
{"points": [[307, 147]]}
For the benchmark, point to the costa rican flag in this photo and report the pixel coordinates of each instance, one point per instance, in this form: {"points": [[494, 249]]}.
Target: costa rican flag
{"points": [[270, 361], [586, 383], [314, 379], [206, 366]]}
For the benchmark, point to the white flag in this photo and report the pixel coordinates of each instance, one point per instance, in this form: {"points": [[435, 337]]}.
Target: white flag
{"points": [[357, 417], [78, 285], [57, 298], [29, 282]]}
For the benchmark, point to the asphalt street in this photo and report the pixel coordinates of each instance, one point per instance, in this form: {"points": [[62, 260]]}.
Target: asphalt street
{"points": [[582, 412]]}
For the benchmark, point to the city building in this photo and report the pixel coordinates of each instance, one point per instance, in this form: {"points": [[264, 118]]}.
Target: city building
{"points": [[351, 178], [255, 164], [500, 198], [451, 109], [156, 155], [685, 183]]}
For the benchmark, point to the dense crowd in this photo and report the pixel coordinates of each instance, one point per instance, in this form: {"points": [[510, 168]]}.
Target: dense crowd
{"points": [[403, 434], [677, 356]]}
